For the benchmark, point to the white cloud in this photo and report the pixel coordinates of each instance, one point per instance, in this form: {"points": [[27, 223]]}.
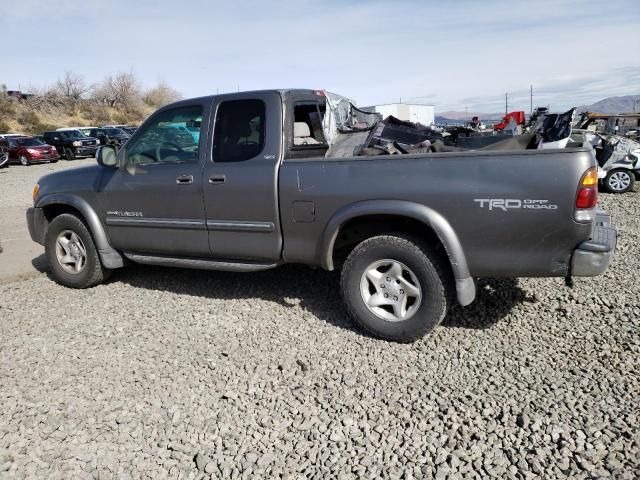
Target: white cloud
{"points": [[446, 53]]}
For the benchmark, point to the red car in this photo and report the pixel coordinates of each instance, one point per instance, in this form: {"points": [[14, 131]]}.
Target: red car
{"points": [[28, 150]]}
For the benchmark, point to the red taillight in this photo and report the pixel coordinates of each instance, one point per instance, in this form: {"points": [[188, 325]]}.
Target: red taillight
{"points": [[587, 196]]}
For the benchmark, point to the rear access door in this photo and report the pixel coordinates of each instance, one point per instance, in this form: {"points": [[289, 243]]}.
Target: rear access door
{"points": [[240, 181]]}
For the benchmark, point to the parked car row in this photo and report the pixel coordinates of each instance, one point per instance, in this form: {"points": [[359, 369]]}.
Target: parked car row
{"points": [[70, 143], [127, 129], [28, 150]]}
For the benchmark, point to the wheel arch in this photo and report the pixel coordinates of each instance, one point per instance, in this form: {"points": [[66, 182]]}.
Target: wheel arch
{"points": [[59, 203], [434, 224]]}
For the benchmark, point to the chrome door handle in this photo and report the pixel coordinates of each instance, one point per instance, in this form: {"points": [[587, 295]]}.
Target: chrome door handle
{"points": [[215, 179], [184, 179]]}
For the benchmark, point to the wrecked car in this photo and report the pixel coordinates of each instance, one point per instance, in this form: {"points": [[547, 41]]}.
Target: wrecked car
{"points": [[618, 162], [392, 136]]}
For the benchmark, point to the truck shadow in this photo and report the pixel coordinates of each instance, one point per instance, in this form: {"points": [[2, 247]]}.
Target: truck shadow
{"points": [[495, 299], [316, 291]]}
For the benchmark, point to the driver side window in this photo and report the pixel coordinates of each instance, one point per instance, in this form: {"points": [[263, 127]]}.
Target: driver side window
{"points": [[173, 136]]}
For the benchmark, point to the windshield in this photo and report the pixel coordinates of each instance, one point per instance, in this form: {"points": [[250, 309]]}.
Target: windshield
{"points": [[27, 142], [114, 131], [70, 134]]}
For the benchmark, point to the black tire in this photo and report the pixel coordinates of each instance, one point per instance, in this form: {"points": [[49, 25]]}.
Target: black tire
{"points": [[68, 154], [24, 161], [428, 269], [613, 186], [55, 160], [93, 272]]}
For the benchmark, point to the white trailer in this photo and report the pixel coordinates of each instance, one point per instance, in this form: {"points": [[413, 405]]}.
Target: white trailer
{"points": [[409, 112]]}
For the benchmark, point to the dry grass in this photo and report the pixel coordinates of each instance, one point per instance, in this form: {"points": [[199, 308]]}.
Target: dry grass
{"points": [[37, 115]]}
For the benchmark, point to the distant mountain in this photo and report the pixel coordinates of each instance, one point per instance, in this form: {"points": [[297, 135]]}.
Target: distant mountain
{"points": [[447, 121], [623, 104]]}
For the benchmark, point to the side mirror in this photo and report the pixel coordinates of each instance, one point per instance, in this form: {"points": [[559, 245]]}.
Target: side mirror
{"points": [[106, 156]]}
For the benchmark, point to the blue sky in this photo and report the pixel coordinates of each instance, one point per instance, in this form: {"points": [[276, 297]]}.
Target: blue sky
{"points": [[452, 54]]}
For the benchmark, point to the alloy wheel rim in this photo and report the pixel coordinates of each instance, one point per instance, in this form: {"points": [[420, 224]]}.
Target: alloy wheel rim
{"points": [[619, 181], [71, 252], [390, 290], [23, 160]]}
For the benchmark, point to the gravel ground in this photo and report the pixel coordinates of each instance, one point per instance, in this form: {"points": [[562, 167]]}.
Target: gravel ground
{"points": [[187, 374], [16, 185]]}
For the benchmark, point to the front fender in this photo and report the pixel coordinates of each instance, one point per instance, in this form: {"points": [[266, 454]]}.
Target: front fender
{"points": [[108, 255], [465, 286]]}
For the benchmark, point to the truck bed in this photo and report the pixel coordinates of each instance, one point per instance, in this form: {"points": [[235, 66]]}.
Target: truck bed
{"points": [[511, 217]]}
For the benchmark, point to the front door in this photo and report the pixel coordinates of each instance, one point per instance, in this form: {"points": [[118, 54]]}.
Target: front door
{"points": [[153, 202], [240, 181]]}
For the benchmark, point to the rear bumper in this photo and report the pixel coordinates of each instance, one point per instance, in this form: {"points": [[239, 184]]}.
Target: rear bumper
{"points": [[593, 257], [37, 223]]}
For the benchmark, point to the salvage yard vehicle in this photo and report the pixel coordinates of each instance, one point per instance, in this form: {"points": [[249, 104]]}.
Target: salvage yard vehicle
{"points": [[7, 135], [28, 150], [84, 130], [618, 161], [128, 129], [72, 143], [263, 187], [4, 156], [110, 136]]}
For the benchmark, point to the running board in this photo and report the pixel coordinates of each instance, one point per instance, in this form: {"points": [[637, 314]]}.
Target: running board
{"points": [[199, 263]]}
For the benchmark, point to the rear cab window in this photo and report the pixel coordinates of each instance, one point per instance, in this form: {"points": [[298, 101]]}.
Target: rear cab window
{"points": [[239, 132], [304, 133]]}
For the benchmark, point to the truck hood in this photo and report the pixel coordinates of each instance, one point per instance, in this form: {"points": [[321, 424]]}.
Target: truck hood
{"points": [[73, 180]]}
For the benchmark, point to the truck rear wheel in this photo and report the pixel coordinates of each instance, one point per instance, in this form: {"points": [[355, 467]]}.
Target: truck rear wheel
{"points": [[71, 253], [395, 288]]}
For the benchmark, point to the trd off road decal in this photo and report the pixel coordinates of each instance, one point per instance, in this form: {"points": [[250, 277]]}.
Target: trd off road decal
{"points": [[506, 204]]}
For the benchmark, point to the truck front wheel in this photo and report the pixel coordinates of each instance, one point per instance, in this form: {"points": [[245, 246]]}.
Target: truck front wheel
{"points": [[71, 253], [395, 288], [69, 153]]}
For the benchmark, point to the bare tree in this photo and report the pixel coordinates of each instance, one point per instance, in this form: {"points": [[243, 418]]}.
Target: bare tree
{"points": [[47, 97], [161, 95], [72, 86], [122, 90]]}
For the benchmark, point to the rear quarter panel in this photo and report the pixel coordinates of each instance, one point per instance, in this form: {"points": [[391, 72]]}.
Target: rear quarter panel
{"points": [[496, 242]]}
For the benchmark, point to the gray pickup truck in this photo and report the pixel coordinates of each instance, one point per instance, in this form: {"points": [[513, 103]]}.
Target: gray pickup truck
{"points": [[247, 182]]}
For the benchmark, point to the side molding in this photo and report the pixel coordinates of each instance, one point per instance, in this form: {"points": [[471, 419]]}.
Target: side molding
{"points": [[465, 286], [109, 256]]}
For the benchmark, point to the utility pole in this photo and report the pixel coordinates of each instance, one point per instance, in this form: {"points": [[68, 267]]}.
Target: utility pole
{"points": [[466, 112], [506, 103], [531, 101]]}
